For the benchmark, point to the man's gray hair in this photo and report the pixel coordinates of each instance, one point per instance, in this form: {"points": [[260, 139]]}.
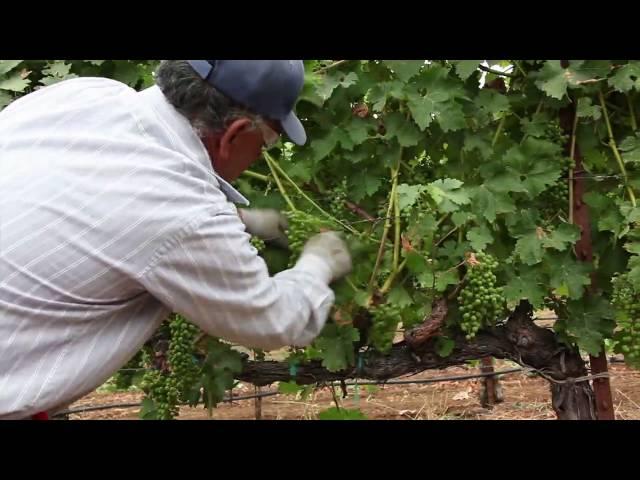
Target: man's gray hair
{"points": [[205, 107]]}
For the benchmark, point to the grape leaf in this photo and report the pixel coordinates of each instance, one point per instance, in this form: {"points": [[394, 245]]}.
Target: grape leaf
{"points": [[630, 148], [405, 131], [626, 77], [14, 83], [489, 204], [365, 185], [336, 346], [569, 273], [554, 80], [527, 285], [5, 99], [464, 68], [289, 388], [7, 65], [399, 296], [405, 69], [563, 236], [444, 346], [409, 194], [332, 81], [127, 72], [480, 237], [451, 117], [590, 322], [479, 143], [529, 248], [444, 279], [324, 145], [358, 130], [448, 189], [492, 102], [334, 413], [585, 109]]}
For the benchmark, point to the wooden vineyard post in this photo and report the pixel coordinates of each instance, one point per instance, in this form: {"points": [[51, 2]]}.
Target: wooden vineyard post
{"points": [[584, 253]]}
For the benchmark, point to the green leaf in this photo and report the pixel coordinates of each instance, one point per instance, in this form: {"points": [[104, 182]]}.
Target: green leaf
{"points": [[566, 234], [585, 109], [7, 65], [14, 83], [492, 102], [590, 322], [398, 296], [405, 69], [5, 99], [423, 108], [489, 204], [97, 63], [444, 279], [57, 69], [127, 72], [479, 143], [289, 388], [479, 237], [464, 68], [448, 189], [527, 286], [570, 273], [409, 194], [148, 410], [444, 346], [529, 247], [365, 185], [451, 117], [536, 163], [336, 346], [461, 218], [630, 148], [634, 272], [323, 146], [334, 413], [626, 77], [405, 131], [358, 130], [552, 80], [334, 80]]}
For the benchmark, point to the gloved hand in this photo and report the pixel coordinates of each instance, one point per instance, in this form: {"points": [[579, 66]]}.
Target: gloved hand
{"points": [[266, 224], [327, 256]]}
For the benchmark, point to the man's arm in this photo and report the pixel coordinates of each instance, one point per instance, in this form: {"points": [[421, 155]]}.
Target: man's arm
{"points": [[212, 276]]}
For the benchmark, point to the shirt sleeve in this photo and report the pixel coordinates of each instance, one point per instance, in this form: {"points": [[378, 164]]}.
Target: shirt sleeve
{"points": [[211, 274]]}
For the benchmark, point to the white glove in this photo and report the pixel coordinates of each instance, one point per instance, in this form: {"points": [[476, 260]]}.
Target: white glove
{"points": [[266, 224], [325, 255]]}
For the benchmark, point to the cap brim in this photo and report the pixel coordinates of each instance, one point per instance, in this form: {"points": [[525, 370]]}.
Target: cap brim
{"points": [[292, 126]]}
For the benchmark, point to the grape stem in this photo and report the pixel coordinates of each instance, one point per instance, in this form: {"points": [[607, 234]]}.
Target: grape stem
{"points": [[614, 149], [387, 225], [572, 153], [275, 167], [498, 131], [634, 124], [396, 240], [387, 284], [257, 176], [283, 192]]}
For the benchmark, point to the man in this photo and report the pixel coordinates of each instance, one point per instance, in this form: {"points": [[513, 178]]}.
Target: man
{"points": [[115, 210]]}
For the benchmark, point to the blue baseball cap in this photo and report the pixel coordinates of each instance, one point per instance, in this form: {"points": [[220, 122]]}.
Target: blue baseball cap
{"points": [[269, 88]]}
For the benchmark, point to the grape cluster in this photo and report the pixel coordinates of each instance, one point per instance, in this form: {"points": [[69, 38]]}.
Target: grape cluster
{"points": [[181, 359], [258, 244], [167, 387], [556, 197], [302, 226], [338, 197], [162, 389], [386, 318], [625, 299], [481, 301]]}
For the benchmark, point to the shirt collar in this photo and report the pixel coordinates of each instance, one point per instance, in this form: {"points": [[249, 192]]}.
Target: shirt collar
{"points": [[181, 126]]}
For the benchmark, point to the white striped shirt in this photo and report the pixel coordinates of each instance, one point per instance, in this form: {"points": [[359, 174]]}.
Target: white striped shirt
{"points": [[111, 217]]}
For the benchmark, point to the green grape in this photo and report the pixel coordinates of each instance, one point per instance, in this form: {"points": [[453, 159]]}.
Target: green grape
{"points": [[338, 197], [168, 388], [386, 318], [480, 301], [302, 226], [258, 243], [626, 300]]}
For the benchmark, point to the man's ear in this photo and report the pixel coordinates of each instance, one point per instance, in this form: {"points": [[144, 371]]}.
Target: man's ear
{"points": [[228, 137]]}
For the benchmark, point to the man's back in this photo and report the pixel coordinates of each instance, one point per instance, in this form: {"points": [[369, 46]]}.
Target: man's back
{"points": [[93, 184]]}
